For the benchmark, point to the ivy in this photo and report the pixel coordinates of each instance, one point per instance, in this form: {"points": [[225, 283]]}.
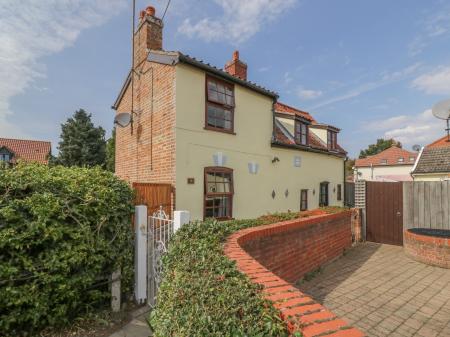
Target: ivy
{"points": [[63, 231]]}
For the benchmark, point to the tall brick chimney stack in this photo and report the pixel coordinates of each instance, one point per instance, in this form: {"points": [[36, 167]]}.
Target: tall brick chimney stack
{"points": [[236, 67], [148, 34]]}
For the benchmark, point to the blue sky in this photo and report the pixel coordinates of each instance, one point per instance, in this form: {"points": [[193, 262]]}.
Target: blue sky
{"points": [[372, 68]]}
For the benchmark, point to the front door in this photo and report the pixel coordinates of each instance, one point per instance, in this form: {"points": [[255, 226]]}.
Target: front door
{"points": [[323, 195]]}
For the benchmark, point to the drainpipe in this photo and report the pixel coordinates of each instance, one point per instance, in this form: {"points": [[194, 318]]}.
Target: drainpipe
{"points": [[273, 120], [345, 181]]}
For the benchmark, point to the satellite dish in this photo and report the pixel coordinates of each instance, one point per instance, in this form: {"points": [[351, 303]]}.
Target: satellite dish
{"points": [[123, 119], [442, 110], [416, 147]]}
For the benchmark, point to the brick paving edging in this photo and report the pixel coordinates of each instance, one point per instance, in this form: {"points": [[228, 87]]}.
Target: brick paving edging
{"points": [[300, 312], [431, 250]]}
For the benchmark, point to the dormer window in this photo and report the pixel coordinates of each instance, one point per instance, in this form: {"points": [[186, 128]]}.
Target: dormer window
{"points": [[401, 160], [301, 133], [332, 140], [219, 105], [383, 162], [4, 157], [411, 159]]}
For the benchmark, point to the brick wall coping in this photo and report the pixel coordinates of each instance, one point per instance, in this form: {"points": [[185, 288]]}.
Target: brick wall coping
{"points": [[300, 312], [431, 250]]}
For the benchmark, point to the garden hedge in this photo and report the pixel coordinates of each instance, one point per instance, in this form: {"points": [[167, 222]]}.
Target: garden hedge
{"points": [[63, 231], [202, 292]]}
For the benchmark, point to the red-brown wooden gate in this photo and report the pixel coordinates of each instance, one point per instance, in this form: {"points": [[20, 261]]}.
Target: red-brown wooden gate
{"points": [[155, 196], [384, 212]]}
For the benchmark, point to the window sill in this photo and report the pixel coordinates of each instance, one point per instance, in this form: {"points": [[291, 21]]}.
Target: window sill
{"points": [[230, 132]]}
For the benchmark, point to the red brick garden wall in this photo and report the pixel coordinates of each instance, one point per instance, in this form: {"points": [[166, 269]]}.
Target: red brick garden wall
{"points": [[434, 251], [276, 255]]}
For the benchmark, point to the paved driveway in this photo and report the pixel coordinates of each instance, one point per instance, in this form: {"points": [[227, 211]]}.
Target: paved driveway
{"points": [[384, 293]]}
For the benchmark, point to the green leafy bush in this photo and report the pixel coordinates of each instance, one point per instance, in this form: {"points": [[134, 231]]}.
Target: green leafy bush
{"points": [[203, 294], [62, 233]]}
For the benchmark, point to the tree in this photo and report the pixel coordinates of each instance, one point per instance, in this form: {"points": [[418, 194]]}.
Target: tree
{"points": [[82, 144], [111, 151], [380, 145]]}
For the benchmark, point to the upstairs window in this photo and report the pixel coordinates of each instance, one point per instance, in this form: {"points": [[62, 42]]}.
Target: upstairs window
{"points": [[301, 133], [332, 140], [219, 105], [218, 202]]}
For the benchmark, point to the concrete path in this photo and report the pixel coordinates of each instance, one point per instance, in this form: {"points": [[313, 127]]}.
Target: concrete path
{"points": [[138, 326], [384, 293]]}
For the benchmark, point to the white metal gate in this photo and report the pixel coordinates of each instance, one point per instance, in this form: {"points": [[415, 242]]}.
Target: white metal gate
{"points": [[159, 231]]}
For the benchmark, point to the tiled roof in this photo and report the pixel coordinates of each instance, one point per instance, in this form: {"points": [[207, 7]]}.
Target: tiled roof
{"points": [[388, 157], [286, 109], [28, 150], [435, 157], [441, 142], [283, 137]]}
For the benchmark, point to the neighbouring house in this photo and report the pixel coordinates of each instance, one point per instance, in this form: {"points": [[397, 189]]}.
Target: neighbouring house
{"points": [[15, 150], [392, 164], [433, 163], [225, 144]]}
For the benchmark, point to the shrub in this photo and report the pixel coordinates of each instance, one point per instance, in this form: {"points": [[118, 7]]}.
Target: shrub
{"points": [[63, 231]]}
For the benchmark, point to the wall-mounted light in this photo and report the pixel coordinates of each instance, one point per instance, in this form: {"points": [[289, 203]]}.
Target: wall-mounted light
{"points": [[273, 194], [253, 168], [314, 191], [219, 159], [286, 193], [275, 159]]}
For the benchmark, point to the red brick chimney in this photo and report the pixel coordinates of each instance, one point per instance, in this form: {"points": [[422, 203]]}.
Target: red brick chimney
{"points": [[236, 67], [148, 34]]}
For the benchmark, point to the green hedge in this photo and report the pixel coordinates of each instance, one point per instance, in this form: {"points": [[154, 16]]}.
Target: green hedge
{"points": [[62, 233], [203, 293]]}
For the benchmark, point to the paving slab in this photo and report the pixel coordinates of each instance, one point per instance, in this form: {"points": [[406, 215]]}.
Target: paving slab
{"points": [[381, 291]]}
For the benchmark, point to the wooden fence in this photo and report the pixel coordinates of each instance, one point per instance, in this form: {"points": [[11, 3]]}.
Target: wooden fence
{"points": [[154, 196], [426, 204]]}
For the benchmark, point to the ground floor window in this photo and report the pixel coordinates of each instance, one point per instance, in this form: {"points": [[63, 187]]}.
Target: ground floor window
{"points": [[218, 196], [303, 200], [323, 195]]}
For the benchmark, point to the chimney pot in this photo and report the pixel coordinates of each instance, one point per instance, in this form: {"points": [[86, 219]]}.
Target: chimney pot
{"points": [[150, 10], [141, 15], [236, 55]]}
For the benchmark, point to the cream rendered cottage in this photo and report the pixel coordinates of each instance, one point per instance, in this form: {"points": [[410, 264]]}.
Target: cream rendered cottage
{"points": [[225, 144]]}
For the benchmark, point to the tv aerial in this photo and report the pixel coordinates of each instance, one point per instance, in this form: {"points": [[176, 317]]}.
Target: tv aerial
{"points": [[441, 110], [416, 147]]}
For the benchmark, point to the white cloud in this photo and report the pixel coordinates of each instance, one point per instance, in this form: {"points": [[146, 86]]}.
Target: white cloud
{"points": [[434, 26], [309, 94], [31, 29], [419, 129], [435, 82], [238, 21], [385, 79]]}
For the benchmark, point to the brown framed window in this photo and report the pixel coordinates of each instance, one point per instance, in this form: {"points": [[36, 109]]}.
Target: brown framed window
{"points": [[219, 105], [339, 192], [218, 196], [332, 140], [323, 195], [303, 200], [301, 133]]}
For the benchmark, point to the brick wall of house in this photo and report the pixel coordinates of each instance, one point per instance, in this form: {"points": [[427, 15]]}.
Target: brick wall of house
{"points": [[276, 255], [147, 154]]}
